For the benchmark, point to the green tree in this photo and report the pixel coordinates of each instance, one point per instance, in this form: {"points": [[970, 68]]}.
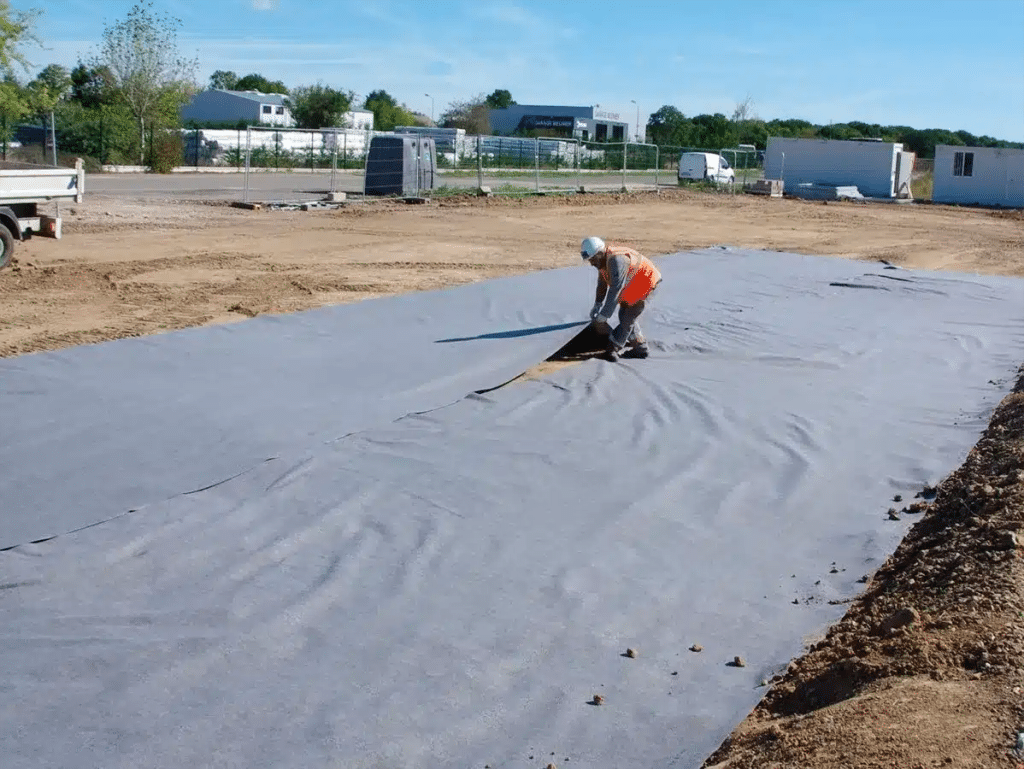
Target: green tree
{"points": [[259, 83], [668, 127], [499, 99], [56, 80], [151, 76], [12, 109], [752, 132], [92, 86], [224, 80], [473, 116], [792, 128], [16, 29], [387, 112], [840, 131], [319, 106], [39, 98]]}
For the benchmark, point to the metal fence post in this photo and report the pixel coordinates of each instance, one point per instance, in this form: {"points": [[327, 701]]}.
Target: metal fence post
{"points": [[625, 151], [334, 163], [53, 137], [536, 163], [419, 166], [578, 161], [479, 163], [248, 150]]}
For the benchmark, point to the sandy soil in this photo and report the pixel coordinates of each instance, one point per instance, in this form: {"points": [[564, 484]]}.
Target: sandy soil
{"points": [[926, 667]]}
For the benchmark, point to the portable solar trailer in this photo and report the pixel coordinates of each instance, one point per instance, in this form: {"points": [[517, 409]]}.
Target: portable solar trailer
{"points": [[401, 165], [23, 186]]}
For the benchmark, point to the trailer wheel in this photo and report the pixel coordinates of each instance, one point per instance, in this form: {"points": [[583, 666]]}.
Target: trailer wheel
{"points": [[7, 243]]}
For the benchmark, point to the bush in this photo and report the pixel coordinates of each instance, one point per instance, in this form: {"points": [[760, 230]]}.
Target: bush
{"points": [[166, 152]]}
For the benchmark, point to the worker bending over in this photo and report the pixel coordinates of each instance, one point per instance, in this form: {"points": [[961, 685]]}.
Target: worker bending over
{"points": [[625, 278]]}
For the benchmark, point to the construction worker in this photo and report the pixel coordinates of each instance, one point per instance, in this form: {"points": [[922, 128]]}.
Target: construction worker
{"points": [[625, 278]]}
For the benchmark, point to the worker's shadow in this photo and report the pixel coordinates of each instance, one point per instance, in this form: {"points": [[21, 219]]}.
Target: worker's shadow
{"points": [[511, 334]]}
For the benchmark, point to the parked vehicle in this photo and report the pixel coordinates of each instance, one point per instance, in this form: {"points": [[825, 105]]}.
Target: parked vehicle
{"points": [[23, 186], [705, 166]]}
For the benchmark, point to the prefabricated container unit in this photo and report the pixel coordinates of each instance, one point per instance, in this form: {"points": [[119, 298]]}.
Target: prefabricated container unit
{"points": [[983, 176], [876, 169], [400, 165]]}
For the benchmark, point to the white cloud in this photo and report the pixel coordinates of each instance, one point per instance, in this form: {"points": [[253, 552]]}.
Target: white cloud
{"points": [[264, 5]]}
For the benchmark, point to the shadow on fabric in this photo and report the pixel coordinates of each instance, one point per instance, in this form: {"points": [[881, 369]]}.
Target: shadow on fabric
{"points": [[511, 334]]}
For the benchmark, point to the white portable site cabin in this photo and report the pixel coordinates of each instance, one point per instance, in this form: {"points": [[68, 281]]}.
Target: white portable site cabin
{"points": [[877, 169], [983, 176]]}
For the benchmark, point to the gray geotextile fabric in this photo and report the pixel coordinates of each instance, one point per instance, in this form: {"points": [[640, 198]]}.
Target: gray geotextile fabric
{"points": [[95, 431], [452, 588]]}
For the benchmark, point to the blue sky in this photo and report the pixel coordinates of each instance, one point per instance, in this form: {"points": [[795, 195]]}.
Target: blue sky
{"points": [[954, 64]]}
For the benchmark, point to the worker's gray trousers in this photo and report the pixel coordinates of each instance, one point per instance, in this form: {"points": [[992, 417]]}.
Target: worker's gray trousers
{"points": [[628, 331]]}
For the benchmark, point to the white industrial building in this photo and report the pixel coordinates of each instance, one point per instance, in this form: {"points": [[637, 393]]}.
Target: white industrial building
{"points": [[877, 169], [984, 176], [253, 107], [221, 106]]}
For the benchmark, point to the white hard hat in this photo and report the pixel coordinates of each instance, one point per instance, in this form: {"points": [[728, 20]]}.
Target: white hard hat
{"points": [[591, 247]]}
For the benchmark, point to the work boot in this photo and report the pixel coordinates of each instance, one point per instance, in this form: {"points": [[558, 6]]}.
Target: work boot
{"points": [[640, 352], [611, 354]]}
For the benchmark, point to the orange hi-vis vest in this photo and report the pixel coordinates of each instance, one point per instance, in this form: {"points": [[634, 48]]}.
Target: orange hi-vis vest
{"points": [[641, 278]]}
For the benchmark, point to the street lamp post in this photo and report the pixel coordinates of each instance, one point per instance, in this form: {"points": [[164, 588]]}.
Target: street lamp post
{"points": [[431, 106], [637, 120]]}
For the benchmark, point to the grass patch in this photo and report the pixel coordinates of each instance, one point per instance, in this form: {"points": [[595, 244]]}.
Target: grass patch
{"points": [[706, 186], [921, 186]]}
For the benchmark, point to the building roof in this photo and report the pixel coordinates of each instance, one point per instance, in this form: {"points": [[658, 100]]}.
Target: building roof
{"points": [[263, 98]]}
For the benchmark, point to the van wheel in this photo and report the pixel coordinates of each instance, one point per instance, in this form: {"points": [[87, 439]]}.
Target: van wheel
{"points": [[7, 244]]}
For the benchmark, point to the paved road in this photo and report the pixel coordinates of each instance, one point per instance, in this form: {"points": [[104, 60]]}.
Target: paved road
{"points": [[302, 186]]}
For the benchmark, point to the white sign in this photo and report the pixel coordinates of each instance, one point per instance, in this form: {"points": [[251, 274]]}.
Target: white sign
{"points": [[606, 115]]}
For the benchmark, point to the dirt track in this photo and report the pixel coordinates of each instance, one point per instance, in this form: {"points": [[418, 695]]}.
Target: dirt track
{"points": [[918, 695], [127, 268]]}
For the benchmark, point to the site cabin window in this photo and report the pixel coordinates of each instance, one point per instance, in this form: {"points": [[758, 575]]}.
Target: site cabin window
{"points": [[618, 132], [279, 111], [963, 164], [266, 109]]}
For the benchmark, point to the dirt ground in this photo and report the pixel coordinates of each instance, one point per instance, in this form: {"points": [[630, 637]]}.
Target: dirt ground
{"points": [[926, 668]]}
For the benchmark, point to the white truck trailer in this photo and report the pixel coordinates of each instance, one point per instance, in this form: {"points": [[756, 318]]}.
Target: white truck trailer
{"points": [[23, 187]]}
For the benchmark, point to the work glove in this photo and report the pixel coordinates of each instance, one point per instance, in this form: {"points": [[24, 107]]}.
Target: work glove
{"points": [[601, 325]]}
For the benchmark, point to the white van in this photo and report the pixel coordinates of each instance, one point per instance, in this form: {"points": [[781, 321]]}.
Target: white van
{"points": [[705, 166]]}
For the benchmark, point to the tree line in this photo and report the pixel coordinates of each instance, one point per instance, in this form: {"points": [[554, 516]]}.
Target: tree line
{"points": [[670, 127], [119, 104]]}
